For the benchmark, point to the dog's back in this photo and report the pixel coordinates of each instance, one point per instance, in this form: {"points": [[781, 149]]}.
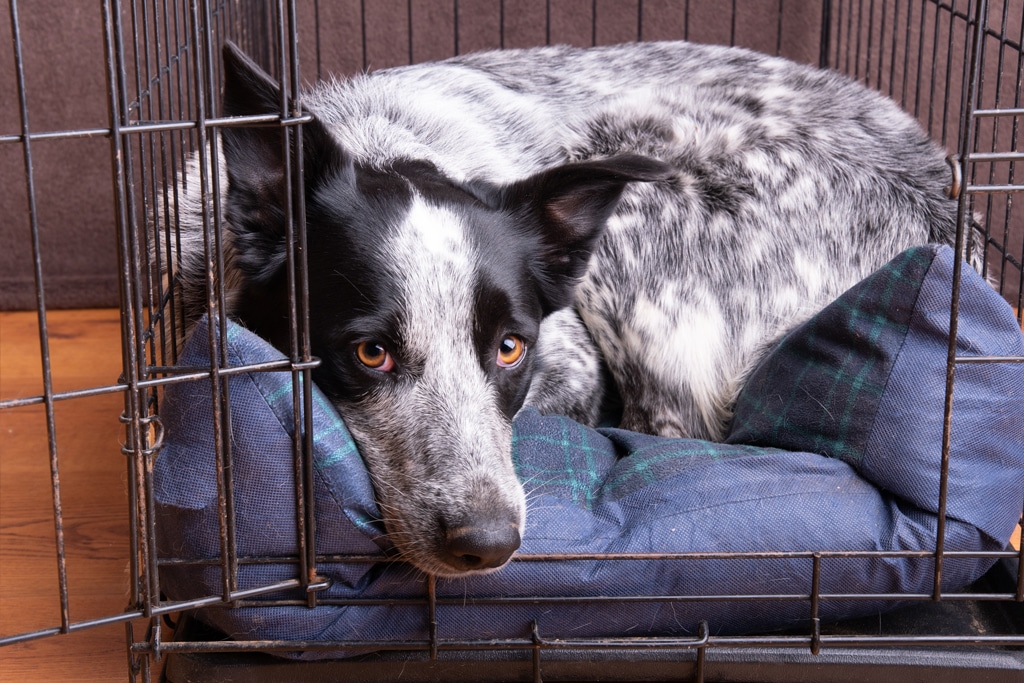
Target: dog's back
{"points": [[790, 184]]}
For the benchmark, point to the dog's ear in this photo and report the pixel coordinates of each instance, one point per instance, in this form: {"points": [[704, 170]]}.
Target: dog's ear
{"points": [[568, 206], [255, 161]]}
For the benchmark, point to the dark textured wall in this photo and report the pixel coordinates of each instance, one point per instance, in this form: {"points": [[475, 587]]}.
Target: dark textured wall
{"points": [[66, 87]]}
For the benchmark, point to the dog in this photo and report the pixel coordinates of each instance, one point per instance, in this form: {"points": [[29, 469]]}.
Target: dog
{"points": [[551, 227]]}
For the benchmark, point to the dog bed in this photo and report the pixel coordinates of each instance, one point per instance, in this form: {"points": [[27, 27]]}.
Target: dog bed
{"points": [[835, 446]]}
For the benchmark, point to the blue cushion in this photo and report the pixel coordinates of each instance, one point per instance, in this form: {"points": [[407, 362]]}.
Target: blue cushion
{"points": [[835, 446]]}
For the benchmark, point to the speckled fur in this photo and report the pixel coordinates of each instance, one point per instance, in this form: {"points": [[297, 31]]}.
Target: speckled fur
{"points": [[784, 186]]}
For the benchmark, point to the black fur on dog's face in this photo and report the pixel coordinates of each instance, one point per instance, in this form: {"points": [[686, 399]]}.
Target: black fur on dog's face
{"points": [[426, 298]]}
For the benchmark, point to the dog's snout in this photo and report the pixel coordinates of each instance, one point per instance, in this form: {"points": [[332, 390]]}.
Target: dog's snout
{"points": [[482, 546]]}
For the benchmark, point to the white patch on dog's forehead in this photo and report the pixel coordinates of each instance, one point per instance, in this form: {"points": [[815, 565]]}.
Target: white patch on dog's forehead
{"points": [[435, 271]]}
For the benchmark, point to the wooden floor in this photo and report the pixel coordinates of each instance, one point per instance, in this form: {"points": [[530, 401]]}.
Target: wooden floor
{"points": [[85, 351]]}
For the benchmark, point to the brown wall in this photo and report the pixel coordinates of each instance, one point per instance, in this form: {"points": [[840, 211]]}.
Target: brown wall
{"points": [[66, 89], [66, 86]]}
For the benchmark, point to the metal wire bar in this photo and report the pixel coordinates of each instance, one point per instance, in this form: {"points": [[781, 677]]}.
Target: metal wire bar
{"points": [[44, 338], [625, 557], [653, 643], [967, 127], [132, 614]]}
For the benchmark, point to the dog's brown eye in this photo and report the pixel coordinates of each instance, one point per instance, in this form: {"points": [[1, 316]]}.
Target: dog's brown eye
{"points": [[374, 356], [511, 351]]}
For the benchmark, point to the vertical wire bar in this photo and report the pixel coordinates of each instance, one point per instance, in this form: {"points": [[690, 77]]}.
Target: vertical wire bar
{"points": [[732, 25], [997, 98], [920, 65], [1005, 259], [906, 55], [147, 398], [826, 33], [44, 336], [849, 41], [178, 147], [934, 59], [131, 325], [212, 62], [115, 86], [870, 43], [161, 208], [839, 37], [815, 603], [778, 31], [1014, 137], [149, 190], [547, 22], [408, 14], [949, 76], [316, 28], [137, 256], [300, 383], [362, 24], [893, 46], [860, 32], [169, 143], [1003, 28], [535, 637], [967, 125], [640, 20], [204, 157], [432, 615], [305, 352], [702, 635], [134, 667], [881, 44]]}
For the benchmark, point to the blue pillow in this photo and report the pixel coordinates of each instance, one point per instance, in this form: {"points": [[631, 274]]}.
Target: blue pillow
{"points": [[835, 446]]}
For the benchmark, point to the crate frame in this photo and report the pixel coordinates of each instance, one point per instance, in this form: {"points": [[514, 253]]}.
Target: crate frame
{"points": [[160, 102]]}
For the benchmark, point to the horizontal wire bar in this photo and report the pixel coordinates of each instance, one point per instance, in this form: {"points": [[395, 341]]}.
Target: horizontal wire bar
{"points": [[646, 557], [864, 641], [994, 189], [165, 126], [189, 374], [62, 396], [463, 601], [995, 156], [1012, 111], [164, 608], [650, 642], [59, 135]]}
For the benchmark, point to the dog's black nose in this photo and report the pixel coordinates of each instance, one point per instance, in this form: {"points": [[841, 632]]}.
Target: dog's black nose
{"points": [[486, 546]]}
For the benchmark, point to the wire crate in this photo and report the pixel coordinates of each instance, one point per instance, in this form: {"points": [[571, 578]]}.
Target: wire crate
{"points": [[144, 80]]}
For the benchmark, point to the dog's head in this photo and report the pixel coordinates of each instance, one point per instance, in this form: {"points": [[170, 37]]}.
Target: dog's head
{"points": [[426, 298]]}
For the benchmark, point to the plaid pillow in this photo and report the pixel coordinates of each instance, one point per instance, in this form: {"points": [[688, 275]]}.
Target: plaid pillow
{"points": [[864, 381]]}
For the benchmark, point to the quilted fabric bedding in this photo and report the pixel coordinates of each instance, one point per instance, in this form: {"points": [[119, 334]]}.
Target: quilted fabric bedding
{"points": [[835, 446]]}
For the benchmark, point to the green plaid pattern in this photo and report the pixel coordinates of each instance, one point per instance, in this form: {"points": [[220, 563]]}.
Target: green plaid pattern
{"points": [[819, 390], [556, 456]]}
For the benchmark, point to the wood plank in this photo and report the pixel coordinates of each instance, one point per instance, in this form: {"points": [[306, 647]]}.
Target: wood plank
{"points": [[85, 349]]}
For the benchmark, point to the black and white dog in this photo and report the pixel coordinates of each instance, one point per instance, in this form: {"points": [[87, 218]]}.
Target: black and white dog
{"points": [[532, 227]]}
